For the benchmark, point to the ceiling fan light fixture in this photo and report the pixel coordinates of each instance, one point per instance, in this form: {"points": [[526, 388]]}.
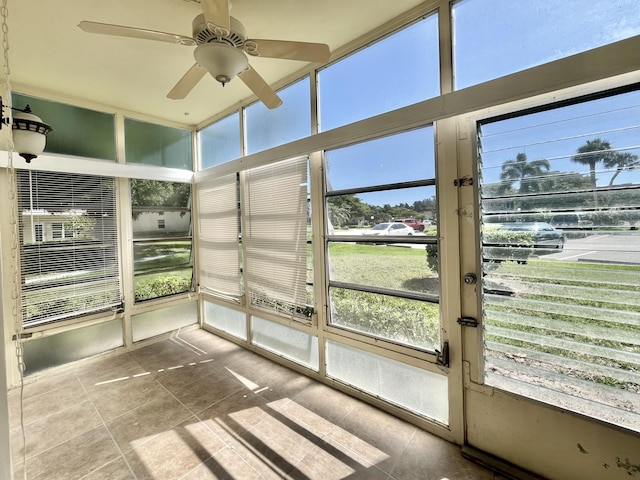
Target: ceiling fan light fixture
{"points": [[222, 61]]}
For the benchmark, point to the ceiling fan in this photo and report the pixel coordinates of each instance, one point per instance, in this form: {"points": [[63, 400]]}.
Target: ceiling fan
{"points": [[221, 49]]}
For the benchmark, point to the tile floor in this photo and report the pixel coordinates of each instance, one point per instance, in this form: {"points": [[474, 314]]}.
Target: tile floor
{"points": [[199, 407]]}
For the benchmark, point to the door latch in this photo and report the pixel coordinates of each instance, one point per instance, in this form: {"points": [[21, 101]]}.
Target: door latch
{"points": [[463, 182], [467, 322], [442, 357]]}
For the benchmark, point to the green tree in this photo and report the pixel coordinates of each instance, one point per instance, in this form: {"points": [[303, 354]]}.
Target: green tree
{"points": [[593, 152], [154, 193], [526, 173], [621, 162]]}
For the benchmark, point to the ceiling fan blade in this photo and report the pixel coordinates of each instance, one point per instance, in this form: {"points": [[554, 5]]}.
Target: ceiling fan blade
{"points": [[188, 81], [260, 88], [216, 12], [133, 32], [305, 51]]}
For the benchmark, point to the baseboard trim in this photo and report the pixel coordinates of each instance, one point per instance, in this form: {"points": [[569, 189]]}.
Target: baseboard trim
{"points": [[498, 465]]}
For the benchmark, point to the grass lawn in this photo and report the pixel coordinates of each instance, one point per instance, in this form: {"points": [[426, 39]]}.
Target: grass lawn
{"points": [[398, 268]]}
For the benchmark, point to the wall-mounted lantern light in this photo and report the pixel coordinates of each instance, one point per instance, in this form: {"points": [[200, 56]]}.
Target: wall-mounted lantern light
{"points": [[29, 132]]}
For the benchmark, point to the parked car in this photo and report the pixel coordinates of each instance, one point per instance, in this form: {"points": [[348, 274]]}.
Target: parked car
{"points": [[571, 221], [390, 228], [542, 234], [417, 225]]}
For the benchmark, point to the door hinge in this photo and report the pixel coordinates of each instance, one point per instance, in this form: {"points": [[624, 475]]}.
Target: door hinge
{"points": [[442, 357], [467, 322], [463, 182]]}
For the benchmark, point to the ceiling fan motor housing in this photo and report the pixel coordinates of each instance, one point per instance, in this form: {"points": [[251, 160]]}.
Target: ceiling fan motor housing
{"points": [[202, 33]]}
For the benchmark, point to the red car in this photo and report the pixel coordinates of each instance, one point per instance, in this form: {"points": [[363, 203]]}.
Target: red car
{"points": [[417, 225]]}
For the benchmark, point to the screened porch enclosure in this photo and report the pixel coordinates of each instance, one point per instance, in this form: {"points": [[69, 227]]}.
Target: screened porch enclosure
{"points": [[458, 247]]}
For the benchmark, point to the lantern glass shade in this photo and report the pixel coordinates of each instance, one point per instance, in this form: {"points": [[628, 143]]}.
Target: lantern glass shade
{"points": [[29, 135]]}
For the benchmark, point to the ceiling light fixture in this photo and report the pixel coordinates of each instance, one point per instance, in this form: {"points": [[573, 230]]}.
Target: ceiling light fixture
{"points": [[221, 60], [29, 132]]}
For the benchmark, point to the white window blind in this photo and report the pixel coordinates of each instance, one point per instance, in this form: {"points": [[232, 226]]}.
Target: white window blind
{"points": [[69, 245], [219, 258], [275, 235], [560, 204]]}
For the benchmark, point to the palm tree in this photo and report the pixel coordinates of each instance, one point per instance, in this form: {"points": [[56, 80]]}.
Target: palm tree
{"points": [[621, 162], [523, 171], [591, 153]]}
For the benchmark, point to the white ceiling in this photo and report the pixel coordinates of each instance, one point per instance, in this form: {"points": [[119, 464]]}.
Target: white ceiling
{"points": [[49, 54]]}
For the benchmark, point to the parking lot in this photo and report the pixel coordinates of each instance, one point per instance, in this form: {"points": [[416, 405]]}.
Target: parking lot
{"points": [[608, 248]]}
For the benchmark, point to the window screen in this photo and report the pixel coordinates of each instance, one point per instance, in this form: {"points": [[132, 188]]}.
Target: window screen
{"points": [[69, 245], [275, 235], [382, 245], [268, 128], [220, 141], [162, 240], [560, 207]]}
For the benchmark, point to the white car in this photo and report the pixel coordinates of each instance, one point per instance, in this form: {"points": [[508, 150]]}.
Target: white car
{"points": [[390, 228]]}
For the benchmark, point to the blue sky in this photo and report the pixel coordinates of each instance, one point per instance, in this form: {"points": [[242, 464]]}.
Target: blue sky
{"points": [[486, 47]]}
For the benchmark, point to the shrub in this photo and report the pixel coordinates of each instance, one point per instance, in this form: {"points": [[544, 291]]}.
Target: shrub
{"points": [[161, 287], [501, 245], [411, 321], [432, 257]]}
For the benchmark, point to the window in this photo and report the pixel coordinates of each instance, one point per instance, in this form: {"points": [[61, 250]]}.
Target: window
{"points": [[541, 32], [383, 275], [163, 261], [69, 245], [394, 72], [275, 236], [220, 141], [560, 209], [157, 145], [266, 128], [73, 123]]}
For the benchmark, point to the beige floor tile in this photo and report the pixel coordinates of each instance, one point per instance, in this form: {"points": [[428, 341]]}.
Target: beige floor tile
{"points": [[208, 390], [107, 369], [174, 452], [325, 464], [54, 429], [227, 464], [253, 367], [138, 426], [51, 400], [366, 430], [74, 459], [234, 415], [283, 382], [115, 470], [330, 404], [162, 356], [46, 382], [118, 397], [429, 457], [177, 378]]}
